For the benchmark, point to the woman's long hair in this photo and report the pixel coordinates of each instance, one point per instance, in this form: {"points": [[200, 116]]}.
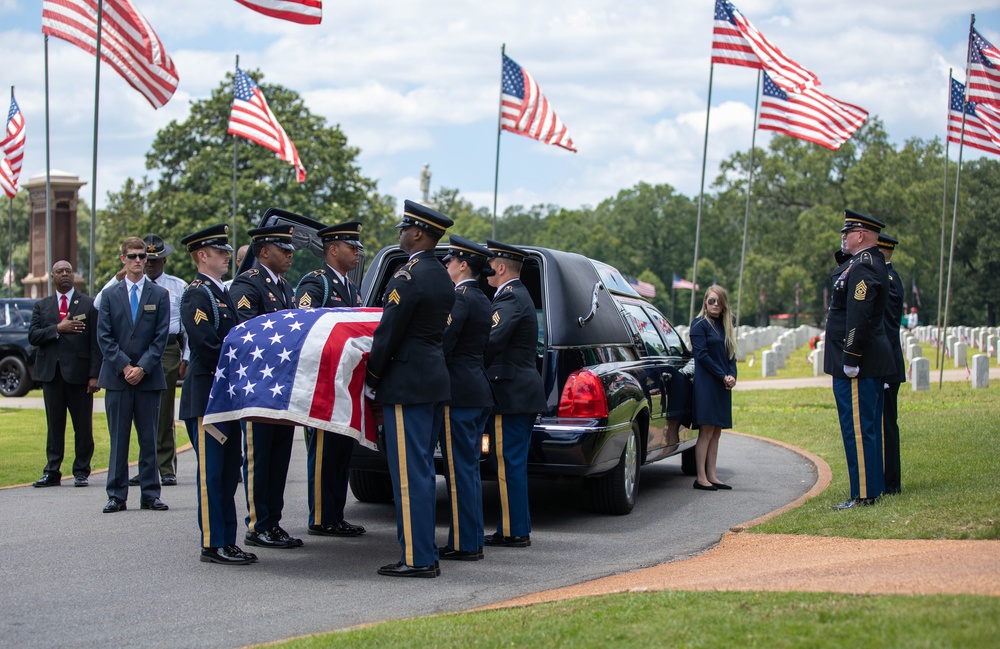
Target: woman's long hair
{"points": [[725, 315]]}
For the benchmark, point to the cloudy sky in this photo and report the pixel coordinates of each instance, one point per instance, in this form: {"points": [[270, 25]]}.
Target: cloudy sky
{"points": [[415, 82]]}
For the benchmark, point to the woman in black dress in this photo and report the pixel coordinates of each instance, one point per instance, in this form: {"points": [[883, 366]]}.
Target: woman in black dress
{"points": [[713, 341]]}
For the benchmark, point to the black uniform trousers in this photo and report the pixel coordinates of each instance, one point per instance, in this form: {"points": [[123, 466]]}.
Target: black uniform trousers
{"points": [[267, 450], [124, 408], [890, 439], [328, 455], [859, 404], [461, 439], [217, 479], [410, 438], [511, 439], [166, 435], [60, 396]]}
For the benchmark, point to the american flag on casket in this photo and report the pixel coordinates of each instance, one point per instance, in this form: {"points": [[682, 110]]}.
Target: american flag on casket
{"points": [[300, 366]]}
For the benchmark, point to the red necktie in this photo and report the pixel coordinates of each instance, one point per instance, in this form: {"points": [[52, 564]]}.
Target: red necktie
{"points": [[63, 309]]}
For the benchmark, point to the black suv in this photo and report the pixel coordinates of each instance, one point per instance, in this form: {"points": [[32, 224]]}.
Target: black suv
{"points": [[16, 354]]}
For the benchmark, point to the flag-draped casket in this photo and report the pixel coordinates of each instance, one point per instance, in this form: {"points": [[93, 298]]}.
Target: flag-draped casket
{"points": [[300, 366]]}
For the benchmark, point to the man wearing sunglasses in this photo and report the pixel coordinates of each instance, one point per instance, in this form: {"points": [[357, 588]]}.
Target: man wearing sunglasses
{"points": [[132, 328], [858, 356]]}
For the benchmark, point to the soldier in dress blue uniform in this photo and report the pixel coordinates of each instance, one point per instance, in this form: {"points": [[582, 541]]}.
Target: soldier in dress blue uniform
{"points": [[407, 374], [893, 320], [208, 313], [858, 354], [467, 412], [267, 448], [329, 454], [517, 388]]}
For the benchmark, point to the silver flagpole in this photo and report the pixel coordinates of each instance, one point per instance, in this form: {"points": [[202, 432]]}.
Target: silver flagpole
{"points": [[496, 166], [10, 234], [944, 211], [236, 142], [746, 212], [93, 179], [48, 180], [701, 196], [954, 213]]}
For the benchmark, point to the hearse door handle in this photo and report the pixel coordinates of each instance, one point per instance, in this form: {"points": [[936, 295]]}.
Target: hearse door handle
{"points": [[582, 321]]}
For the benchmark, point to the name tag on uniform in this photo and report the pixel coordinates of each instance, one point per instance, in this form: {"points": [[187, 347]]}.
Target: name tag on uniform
{"points": [[81, 317], [149, 307]]}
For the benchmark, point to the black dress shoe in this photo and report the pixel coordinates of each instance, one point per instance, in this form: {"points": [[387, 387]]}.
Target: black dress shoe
{"points": [[447, 554], [235, 549], [710, 487], [499, 540], [855, 502], [265, 539], [48, 479], [114, 505], [225, 556], [343, 528], [281, 535], [169, 481], [81, 481], [721, 486], [155, 504], [134, 480], [402, 570]]}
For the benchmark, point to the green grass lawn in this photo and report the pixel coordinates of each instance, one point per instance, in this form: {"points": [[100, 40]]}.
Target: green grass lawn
{"points": [[22, 445]]}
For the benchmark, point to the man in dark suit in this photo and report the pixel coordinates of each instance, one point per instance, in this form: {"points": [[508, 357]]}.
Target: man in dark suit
{"points": [[407, 374], [893, 321], [517, 388], [328, 455], [857, 354], [208, 313], [64, 329], [468, 410], [267, 448], [132, 329]]}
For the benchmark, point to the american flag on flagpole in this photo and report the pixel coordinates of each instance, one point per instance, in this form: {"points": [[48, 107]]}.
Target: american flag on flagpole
{"points": [[809, 115], [525, 110], [299, 366], [645, 289], [681, 283], [977, 134], [307, 12], [12, 149], [128, 42], [735, 41], [252, 118], [984, 70]]}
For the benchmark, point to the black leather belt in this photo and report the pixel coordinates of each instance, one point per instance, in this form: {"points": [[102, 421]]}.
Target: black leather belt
{"points": [[171, 339]]}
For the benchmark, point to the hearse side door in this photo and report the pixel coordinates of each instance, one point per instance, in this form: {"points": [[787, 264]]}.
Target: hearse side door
{"points": [[650, 372]]}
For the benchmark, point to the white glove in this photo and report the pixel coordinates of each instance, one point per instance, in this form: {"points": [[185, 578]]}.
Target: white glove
{"points": [[369, 393], [851, 372]]}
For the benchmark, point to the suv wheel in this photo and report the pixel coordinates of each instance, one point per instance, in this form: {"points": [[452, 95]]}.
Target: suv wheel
{"points": [[371, 486], [14, 378], [616, 491]]}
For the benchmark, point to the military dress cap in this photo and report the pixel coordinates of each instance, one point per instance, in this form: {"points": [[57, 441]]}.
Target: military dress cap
{"points": [[854, 219], [465, 250], [279, 235], [156, 247], [216, 236], [505, 250], [887, 242], [424, 218], [346, 232]]}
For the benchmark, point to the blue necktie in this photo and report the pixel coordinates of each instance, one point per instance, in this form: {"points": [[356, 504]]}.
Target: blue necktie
{"points": [[134, 301]]}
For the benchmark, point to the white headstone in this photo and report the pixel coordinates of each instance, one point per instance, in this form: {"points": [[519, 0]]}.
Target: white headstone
{"points": [[741, 349], [920, 374], [960, 354], [818, 360], [980, 371], [914, 351], [779, 355], [769, 364]]}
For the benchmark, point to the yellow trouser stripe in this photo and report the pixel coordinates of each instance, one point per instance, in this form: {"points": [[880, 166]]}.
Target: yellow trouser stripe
{"points": [[206, 525], [251, 496], [404, 485], [451, 474], [858, 442], [318, 479], [502, 476]]}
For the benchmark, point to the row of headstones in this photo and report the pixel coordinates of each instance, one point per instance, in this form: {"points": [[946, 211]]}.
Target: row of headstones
{"points": [[920, 368], [782, 343]]}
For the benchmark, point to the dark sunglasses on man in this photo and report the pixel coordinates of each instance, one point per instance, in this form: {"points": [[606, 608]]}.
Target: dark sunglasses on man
{"points": [[136, 255]]}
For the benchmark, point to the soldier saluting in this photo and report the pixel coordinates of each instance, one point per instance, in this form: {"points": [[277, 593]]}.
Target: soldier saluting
{"points": [[328, 455], [858, 354]]}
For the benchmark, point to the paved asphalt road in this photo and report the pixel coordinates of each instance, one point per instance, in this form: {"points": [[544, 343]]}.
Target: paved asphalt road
{"points": [[73, 576]]}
